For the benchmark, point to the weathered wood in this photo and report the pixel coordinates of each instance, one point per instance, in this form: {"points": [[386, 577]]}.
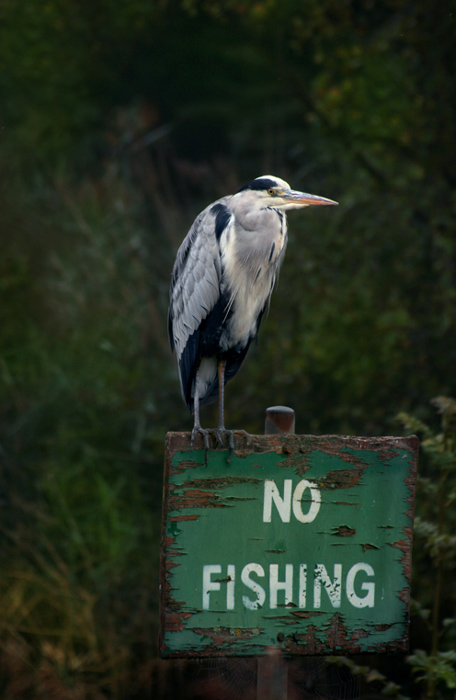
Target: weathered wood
{"points": [[345, 529], [272, 676], [272, 671]]}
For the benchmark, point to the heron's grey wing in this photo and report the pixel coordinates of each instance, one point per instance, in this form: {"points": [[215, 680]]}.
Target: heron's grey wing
{"points": [[195, 289]]}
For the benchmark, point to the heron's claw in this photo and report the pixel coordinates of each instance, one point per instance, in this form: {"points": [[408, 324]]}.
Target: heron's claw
{"points": [[218, 434], [247, 435], [224, 431], [205, 433]]}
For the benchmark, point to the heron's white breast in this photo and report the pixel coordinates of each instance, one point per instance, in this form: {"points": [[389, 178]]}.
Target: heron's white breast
{"points": [[249, 277]]}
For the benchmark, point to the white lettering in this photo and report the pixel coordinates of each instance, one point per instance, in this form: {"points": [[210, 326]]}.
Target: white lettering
{"points": [[275, 585], [230, 581], [283, 505], [208, 585], [333, 588], [297, 501], [302, 585], [366, 601], [254, 586], [288, 583]]}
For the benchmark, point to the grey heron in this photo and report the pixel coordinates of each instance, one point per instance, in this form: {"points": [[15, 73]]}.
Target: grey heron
{"points": [[221, 286]]}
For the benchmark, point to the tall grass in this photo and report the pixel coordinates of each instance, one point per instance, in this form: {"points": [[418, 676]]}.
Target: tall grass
{"points": [[82, 427]]}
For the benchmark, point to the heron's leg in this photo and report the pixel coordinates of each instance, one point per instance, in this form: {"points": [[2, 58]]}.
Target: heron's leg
{"points": [[196, 423], [221, 411], [221, 398]]}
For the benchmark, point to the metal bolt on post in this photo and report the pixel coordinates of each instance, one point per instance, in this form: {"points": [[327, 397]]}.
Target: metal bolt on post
{"points": [[279, 419]]}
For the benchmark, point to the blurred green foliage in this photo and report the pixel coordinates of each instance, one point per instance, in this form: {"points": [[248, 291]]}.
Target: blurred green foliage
{"points": [[434, 603], [120, 121]]}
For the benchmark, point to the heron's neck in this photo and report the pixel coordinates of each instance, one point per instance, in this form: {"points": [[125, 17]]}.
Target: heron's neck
{"points": [[259, 239], [261, 219]]}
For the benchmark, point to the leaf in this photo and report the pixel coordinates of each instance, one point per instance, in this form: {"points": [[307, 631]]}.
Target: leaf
{"points": [[434, 668]]}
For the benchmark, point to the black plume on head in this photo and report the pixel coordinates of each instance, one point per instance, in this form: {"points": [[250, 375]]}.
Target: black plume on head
{"points": [[261, 183]]}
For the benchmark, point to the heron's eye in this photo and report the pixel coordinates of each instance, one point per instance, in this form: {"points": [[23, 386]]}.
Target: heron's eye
{"points": [[271, 191]]}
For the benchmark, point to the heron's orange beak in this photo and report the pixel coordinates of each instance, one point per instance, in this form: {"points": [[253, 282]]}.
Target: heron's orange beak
{"points": [[305, 199]]}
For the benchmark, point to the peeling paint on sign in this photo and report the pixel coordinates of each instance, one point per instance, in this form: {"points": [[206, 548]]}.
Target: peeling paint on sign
{"points": [[301, 542]]}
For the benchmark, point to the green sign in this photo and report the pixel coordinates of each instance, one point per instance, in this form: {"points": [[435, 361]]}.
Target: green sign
{"points": [[301, 543]]}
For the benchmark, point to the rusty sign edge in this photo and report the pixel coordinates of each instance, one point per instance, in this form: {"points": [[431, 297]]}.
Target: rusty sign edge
{"points": [[289, 445]]}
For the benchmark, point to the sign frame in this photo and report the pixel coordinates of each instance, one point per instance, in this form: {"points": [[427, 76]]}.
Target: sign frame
{"points": [[312, 475]]}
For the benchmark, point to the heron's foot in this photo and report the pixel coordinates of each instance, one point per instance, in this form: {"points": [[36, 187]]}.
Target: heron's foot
{"points": [[246, 435], [219, 432], [205, 433]]}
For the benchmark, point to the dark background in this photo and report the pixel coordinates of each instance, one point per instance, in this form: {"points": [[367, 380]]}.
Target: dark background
{"points": [[119, 121]]}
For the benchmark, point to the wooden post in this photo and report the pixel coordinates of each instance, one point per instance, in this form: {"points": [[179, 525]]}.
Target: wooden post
{"points": [[279, 419], [272, 672], [272, 676]]}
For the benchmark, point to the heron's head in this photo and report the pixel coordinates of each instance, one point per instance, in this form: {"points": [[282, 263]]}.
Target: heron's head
{"points": [[269, 191]]}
